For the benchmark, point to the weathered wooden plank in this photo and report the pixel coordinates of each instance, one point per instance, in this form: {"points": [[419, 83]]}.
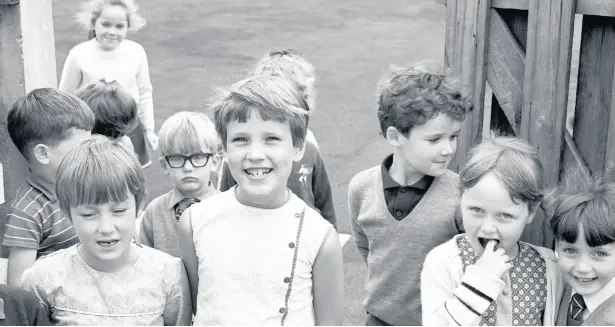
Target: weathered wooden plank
{"points": [[572, 159], [505, 70], [583, 7], [547, 73], [465, 54], [594, 112], [545, 93]]}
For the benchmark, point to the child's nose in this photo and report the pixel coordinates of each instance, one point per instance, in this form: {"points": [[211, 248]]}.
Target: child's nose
{"points": [[582, 265], [105, 225], [447, 149], [488, 226], [255, 152]]}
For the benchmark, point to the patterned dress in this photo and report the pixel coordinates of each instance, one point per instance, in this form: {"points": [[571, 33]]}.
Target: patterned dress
{"points": [[523, 301]]}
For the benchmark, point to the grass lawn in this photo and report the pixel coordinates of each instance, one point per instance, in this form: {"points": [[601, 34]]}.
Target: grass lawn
{"points": [[194, 44]]}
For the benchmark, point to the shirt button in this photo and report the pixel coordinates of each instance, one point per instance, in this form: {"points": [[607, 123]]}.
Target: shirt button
{"points": [[398, 213], [282, 310], [286, 280], [291, 245], [403, 190], [298, 215]]}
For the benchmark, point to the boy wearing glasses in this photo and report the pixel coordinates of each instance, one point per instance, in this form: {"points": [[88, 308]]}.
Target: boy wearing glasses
{"points": [[188, 146]]}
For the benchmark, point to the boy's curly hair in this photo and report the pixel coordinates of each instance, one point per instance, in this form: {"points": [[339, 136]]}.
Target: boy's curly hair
{"points": [[409, 97]]}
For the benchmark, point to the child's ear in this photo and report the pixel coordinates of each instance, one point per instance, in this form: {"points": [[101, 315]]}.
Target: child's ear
{"points": [[41, 153], [299, 152], [216, 159], [164, 166], [393, 135], [531, 216]]}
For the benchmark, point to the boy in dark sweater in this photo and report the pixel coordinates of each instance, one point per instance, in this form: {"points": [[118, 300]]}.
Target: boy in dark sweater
{"points": [[406, 206], [19, 307]]}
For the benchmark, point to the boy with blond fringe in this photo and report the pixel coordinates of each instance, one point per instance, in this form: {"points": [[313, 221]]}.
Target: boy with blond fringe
{"points": [[189, 153]]}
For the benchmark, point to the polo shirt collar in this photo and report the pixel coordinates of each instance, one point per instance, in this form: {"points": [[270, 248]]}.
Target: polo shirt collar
{"points": [[594, 300], [389, 182], [40, 183]]}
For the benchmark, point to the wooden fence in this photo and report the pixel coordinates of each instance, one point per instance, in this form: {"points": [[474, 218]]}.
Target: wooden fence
{"points": [[523, 50]]}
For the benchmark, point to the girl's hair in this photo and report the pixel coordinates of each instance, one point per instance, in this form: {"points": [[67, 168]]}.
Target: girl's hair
{"points": [[583, 200], [99, 171], [410, 97], [272, 98], [114, 108], [513, 161], [292, 65], [188, 132], [92, 9]]}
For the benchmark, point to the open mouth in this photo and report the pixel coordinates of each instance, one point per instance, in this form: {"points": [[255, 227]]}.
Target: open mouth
{"points": [[109, 243], [584, 280], [483, 241], [258, 172]]}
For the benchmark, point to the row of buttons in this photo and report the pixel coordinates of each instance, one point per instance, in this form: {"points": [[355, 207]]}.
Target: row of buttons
{"points": [[287, 279]]}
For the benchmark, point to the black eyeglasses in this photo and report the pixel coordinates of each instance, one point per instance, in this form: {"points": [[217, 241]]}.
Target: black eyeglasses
{"points": [[197, 160]]}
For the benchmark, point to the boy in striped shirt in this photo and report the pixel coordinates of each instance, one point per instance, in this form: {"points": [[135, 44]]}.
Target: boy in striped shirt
{"points": [[44, 126]]}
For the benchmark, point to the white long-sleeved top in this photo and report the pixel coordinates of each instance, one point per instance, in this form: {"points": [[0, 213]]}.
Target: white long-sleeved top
{"points": [[127, 64]]}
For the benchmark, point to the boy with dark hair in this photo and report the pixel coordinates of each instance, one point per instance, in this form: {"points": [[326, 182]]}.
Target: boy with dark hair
{"points": [[44, 126], [406, 206]]}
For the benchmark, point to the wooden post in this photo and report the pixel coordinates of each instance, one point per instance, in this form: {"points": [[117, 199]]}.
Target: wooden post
{"points": [[465, 53], [545, 91], [27, 61], [594, 124]]}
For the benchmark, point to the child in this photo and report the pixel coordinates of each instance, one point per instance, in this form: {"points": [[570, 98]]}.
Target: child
{"points": [[188, 146], [291, 65], [111, 57], [308, 179], [44, 125], [406, 206], [20, 308], [114, 109], [584, 230], [107, 279], [256, 254], [487, 276]]}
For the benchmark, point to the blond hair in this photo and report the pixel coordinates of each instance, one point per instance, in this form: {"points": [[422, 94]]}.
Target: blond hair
{"points": [[92, 9], [188, 132], [99, 171], [293, 66]]}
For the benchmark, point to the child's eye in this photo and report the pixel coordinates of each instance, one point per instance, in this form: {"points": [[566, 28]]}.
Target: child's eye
{"points": [[239, 140], [475, 209], [453, 137], [569, 251], [87, 215], [119, 27], [105, 24], [272, 138], [120, 210], [434, 140], [507, 216], [601, 254]]}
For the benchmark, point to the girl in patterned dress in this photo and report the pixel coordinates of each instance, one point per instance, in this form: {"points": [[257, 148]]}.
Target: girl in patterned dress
{"points": [[487, 276]]}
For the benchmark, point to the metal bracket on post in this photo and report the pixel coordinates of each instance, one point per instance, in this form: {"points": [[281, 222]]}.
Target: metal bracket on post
{"points": [[9, 2]]}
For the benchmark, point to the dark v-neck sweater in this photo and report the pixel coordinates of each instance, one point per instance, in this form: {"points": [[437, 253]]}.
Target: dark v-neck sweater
{"points": [[604, 315], [395, 250]]}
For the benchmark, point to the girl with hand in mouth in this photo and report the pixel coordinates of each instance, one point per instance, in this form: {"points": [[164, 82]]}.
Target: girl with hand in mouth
{"points": [[487, 276]]}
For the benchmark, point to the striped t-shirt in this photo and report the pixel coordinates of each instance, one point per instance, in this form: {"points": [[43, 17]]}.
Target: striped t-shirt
{"points": [[35, 220]]}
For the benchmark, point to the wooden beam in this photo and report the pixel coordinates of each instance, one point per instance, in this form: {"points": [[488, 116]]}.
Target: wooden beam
{"points": [[465, 54], [583, 7], [505, 69], [594, 124], [547, 73], [572, 159]]}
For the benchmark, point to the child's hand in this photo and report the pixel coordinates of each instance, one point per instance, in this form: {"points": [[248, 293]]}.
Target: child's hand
{"points": [[494, 261], [152, 139]]}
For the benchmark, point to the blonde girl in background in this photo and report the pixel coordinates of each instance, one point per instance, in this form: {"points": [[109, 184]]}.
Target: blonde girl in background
{"points": [[108, 55]]}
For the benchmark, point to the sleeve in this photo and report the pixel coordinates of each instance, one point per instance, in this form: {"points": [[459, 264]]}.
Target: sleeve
{"points": [[145, 107], [178, 309], [446, 302], [71, 77], [31, 281], [23, 230], [354, 204], [146, 233], [226, 179], [323, 197]]}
